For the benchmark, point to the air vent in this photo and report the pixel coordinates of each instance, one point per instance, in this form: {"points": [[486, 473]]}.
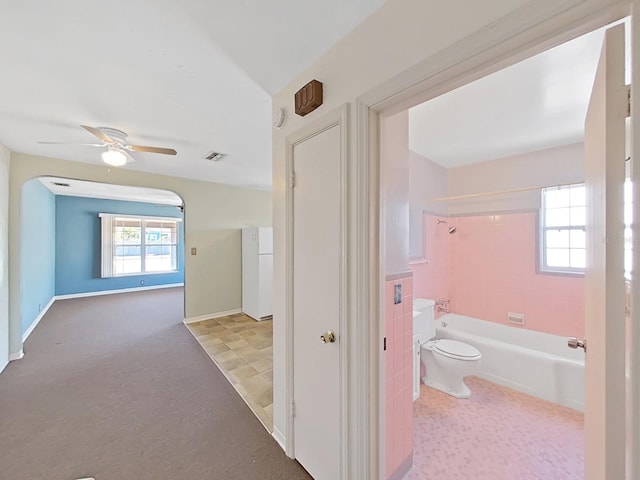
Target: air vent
{"points": [[60, 184], [214, 156]]}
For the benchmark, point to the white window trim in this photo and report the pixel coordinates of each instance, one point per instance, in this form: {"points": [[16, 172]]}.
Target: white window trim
{"points": [[106, 244], [143, 217], [542, 233]]}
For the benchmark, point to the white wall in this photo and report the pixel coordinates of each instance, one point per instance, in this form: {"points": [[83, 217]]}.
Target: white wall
{"points": [[4, 257], [402, 36], [427, 180], [542, 168], [394, 174], [214, 215]]}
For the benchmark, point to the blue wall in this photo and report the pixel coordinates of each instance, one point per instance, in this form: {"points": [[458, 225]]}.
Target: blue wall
{"points": [[37, 252], [78, 256]]}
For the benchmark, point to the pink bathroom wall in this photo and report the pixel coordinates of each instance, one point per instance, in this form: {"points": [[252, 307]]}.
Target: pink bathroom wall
{"points": [[493, 270], [399, 375], [431, 277]]}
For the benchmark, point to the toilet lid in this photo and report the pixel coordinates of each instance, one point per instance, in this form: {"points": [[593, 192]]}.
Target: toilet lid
{"points": [[455, 348]]}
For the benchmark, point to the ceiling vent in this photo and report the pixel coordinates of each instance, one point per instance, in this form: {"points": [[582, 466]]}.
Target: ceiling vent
{"points": [[60, 184], [214, 156]]}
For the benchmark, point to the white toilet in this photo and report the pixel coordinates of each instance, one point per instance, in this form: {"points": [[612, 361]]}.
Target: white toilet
{"points": [[446, 362]]}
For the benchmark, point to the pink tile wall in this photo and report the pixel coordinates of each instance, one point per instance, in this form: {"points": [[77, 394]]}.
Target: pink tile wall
{"points": [[492, 271], [399, 371], [431, 279]]}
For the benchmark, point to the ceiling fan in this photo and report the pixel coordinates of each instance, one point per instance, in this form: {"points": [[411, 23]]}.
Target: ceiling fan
{"points": [[117, 148]]}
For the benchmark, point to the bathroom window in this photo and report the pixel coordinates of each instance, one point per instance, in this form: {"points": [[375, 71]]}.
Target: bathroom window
{"points": [[138, 245], [563, 218]]}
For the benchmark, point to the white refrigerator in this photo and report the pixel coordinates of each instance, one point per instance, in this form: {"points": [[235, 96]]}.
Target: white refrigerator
{"points": [[257, 272]]}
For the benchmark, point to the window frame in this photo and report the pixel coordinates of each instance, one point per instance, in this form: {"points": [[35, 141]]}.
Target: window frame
{"points": [[107, 247], [543, 266]]}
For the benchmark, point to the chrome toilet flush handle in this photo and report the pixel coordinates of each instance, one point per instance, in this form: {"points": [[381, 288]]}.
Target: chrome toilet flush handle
{"points": [[444, 324]]}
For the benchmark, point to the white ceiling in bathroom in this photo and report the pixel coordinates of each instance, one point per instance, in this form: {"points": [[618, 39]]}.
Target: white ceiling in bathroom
{"points": [[536, 104]]}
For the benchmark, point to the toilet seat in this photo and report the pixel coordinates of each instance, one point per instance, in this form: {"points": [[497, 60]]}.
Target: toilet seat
{"points": [[455, 349]]}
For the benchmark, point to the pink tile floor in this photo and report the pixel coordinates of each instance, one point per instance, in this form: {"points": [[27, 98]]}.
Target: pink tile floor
{"points": [[497, 434]]}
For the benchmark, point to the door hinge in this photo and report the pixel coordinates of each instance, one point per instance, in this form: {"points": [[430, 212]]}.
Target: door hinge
{"points": [[628, 100], [293, 409], [293, 179], [384, 344]]}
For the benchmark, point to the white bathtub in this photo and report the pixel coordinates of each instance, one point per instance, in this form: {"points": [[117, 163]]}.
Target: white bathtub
{"points": [[539, 364]]}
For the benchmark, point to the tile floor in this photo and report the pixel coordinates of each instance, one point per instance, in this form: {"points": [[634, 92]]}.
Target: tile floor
{"points": [[497, 434], [243, 350]]}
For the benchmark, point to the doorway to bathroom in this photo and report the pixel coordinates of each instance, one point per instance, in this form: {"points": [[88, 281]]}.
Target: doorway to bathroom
{"points": [[485, 252]]}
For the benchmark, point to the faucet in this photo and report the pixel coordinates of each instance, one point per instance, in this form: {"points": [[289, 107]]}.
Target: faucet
{"points": [[442, 305]]}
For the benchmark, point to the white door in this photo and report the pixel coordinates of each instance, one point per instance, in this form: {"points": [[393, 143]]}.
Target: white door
{"points": [[604, 306], [265, 285], [316, 303]]}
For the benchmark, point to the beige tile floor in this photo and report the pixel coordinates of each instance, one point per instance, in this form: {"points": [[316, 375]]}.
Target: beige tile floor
{"points": [[243, 350]]}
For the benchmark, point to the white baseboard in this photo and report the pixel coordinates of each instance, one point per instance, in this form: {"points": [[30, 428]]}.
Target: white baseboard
{"points": [[16, 356], [121, 290], [209, 316], [3, 365], [279, 437], [35, 323]]}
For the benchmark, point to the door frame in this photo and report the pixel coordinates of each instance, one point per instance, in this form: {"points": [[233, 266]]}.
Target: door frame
{"points": [[528, 31], [338, 117]]}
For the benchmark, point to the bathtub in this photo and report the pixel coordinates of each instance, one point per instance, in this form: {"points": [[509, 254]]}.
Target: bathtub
{"points": [[539, 364]]}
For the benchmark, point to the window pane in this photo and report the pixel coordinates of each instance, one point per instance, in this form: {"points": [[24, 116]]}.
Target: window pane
{"points": [[159, 236], [578, 196], [557, 217], [127, 231], [557, 238], [578, 258], [578, 239], [161, 232], [127, 259], [160, 258], [556, 197], [578, 216], [558, 257], [564, 218]]}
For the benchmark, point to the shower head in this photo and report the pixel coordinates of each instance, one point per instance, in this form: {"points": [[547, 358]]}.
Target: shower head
{"points": [[452, 230]]}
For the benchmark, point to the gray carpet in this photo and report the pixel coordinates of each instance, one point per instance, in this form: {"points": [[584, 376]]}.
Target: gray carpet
{"points": [[116, 388]]}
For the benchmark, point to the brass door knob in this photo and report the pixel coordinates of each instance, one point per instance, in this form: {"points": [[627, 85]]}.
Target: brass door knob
{"points": [[328, 337]]}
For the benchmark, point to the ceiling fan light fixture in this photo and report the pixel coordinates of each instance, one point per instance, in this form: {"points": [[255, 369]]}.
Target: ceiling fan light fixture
{"points": [[114, 157]]}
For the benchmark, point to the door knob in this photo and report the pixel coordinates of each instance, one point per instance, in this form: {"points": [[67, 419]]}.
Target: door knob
{"points": [[328, 337], [573, 342]]}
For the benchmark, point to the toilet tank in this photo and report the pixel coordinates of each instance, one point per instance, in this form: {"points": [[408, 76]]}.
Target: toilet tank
{"points": [[424, 318]]}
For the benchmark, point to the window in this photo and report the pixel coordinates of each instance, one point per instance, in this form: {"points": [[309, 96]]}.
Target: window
{"points": [[563, 218], [138, 245]]}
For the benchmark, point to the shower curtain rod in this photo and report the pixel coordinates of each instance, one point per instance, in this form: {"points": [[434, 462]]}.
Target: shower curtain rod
{"points": [[498, 192]]}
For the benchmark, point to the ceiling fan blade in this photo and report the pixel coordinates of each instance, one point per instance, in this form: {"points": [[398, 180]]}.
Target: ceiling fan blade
{"points": [[99, 134], [139, 148], [73, 143]]}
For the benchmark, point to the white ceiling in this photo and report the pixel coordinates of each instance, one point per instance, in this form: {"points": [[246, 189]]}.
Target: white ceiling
{"points": [[81, 188], [194, 75], [536, 104]]}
